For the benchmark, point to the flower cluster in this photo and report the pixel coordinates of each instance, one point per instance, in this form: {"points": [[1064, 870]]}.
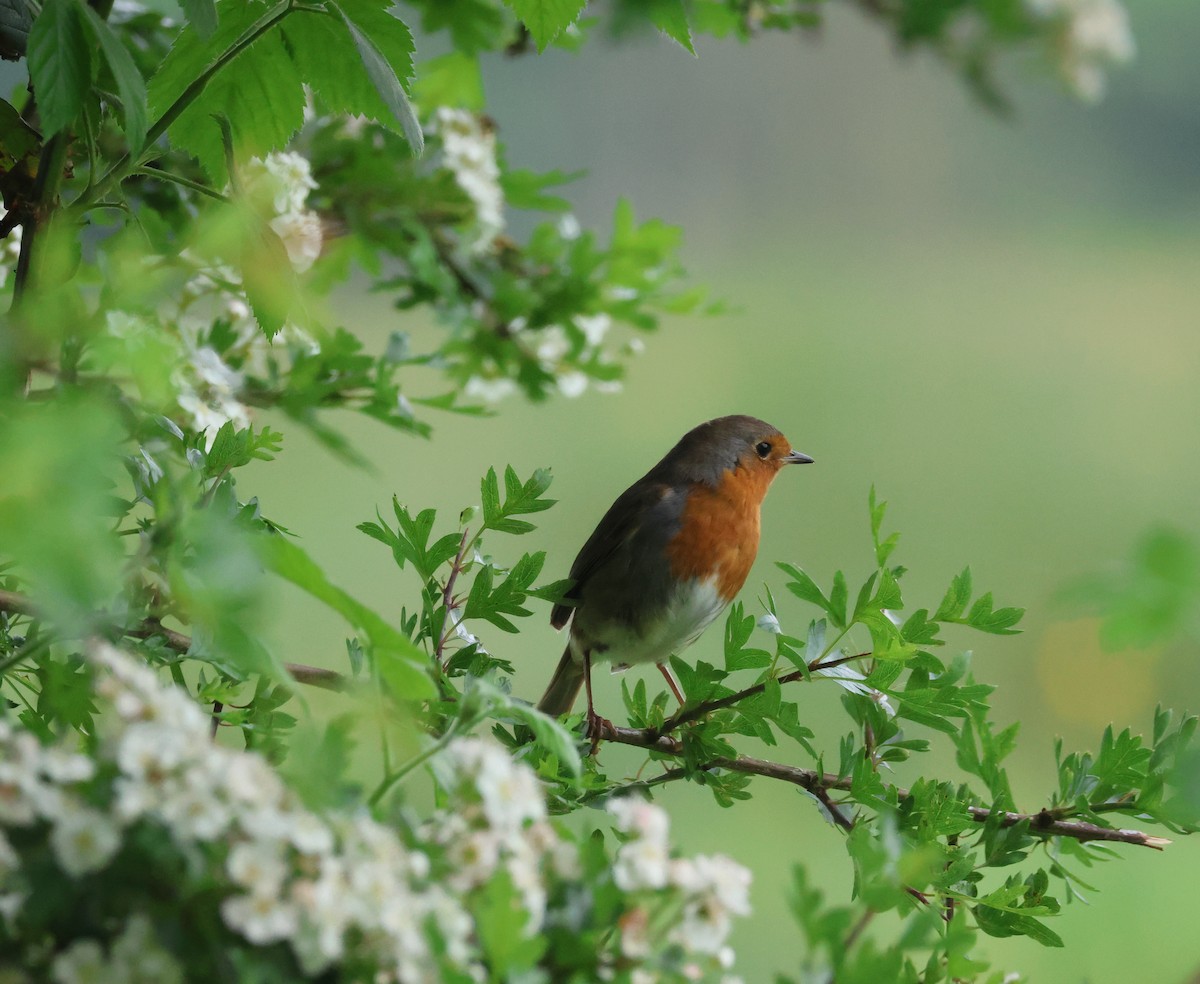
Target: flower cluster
{"points": [[135, 957], [210, 343], [278, 185], [322, 885], [10, 249], [469, 153], [1093, 35], [705, 891], [557, 351], [335, 889]]}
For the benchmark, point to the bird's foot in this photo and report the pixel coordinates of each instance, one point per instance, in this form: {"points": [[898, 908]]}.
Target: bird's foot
{"points": [[597, 728]]}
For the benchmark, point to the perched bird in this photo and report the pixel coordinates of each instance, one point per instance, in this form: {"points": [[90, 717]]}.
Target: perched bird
{"points": [[668, 556]]}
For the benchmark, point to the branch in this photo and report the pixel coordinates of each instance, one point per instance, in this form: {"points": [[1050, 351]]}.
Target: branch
{"points": [[313, 676], [700, 710], [1043, 823]]}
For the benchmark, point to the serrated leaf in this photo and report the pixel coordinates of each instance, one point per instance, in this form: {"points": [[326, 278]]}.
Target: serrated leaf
{"points": [[386, 79], [60, 63], [998, 621], [955, 601], [805, 588], [130, 85], [201, 13], [260, 92], [998, 922], [546, 19], [550, 733], [670, 17]]}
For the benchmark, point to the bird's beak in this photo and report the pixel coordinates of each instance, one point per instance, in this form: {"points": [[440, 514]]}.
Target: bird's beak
{"points": [[796, 458]]}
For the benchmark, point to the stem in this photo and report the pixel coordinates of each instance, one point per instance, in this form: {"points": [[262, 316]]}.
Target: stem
{"points": [[388, 781], [1041, 824], [313, 676], [448, 593], [700, 710], [45, 191], [158, 174], [131, 160]]}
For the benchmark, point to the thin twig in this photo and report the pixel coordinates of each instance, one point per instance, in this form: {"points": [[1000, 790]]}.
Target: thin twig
{"points": [[1042, 824], [448, 594], [312, 676], [857, 929], [700, 710]]}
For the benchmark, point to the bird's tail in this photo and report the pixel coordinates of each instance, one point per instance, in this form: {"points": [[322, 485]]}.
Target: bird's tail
{"points": [[564, 687]]}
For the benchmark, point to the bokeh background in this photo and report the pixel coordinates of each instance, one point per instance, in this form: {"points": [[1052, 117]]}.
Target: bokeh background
{"points": [[992, 319]]}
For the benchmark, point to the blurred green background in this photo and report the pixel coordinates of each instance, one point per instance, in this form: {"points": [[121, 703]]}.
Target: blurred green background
{"points": [[993, 320]]}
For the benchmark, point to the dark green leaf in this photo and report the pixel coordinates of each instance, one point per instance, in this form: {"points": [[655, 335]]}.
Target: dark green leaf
{"points": [[384, 77], [130, 84], [546, 19], [202, 14], [60, 63]]}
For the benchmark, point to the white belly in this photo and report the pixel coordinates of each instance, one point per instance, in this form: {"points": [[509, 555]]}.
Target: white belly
{"points": [[687, 614]]}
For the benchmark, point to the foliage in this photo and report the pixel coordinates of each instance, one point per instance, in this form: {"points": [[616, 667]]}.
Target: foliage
{"points": [[182, 200]]}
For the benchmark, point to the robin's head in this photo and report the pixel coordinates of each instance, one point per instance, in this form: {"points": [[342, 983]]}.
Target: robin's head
{"points": [[737, 443]]}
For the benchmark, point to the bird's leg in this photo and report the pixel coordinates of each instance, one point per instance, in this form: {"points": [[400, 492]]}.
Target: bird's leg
{"points": [[596, 725], [662, 668]]}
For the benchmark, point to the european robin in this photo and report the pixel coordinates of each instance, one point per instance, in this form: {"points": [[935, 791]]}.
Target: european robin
{"points": [[668, 556]]}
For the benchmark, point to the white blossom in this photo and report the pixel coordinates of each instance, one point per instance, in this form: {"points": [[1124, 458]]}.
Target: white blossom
{"points": [[136, 955], [568, 226], [84, 840], [469, 153], [572, 384], [717, 889], [593, 326], [1094, 34], [282, 178], [301, 236], [489, 390], [83, 962], [10, 249], [260, 917], [643, 861]]}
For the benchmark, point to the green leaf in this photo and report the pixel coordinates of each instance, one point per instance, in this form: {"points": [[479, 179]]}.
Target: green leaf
{"points": [[500, 922], [955, 601], [999, 922], [557, 739], [60, 64], [546, 19], [883, 548], [998, 622], [20, 143], [401, 663], [259, 90], [202, 14], [738, 629], [385, 75], [130, 84], [526, 189], [519, 498], [670, 17], [805, 588]]}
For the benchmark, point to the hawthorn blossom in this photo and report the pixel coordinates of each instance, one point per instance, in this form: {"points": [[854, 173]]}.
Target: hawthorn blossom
{"points": [[469, 153], [1093, 34]]}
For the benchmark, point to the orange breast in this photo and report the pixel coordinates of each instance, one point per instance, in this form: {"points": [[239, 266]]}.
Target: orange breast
{"points": [[719, 530]]}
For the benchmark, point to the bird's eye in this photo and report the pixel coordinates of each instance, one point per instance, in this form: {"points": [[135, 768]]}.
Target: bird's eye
{"points": [[763, 448]]}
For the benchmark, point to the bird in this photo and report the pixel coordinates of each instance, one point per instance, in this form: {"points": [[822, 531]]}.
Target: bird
{"points": [[667, 558]]}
